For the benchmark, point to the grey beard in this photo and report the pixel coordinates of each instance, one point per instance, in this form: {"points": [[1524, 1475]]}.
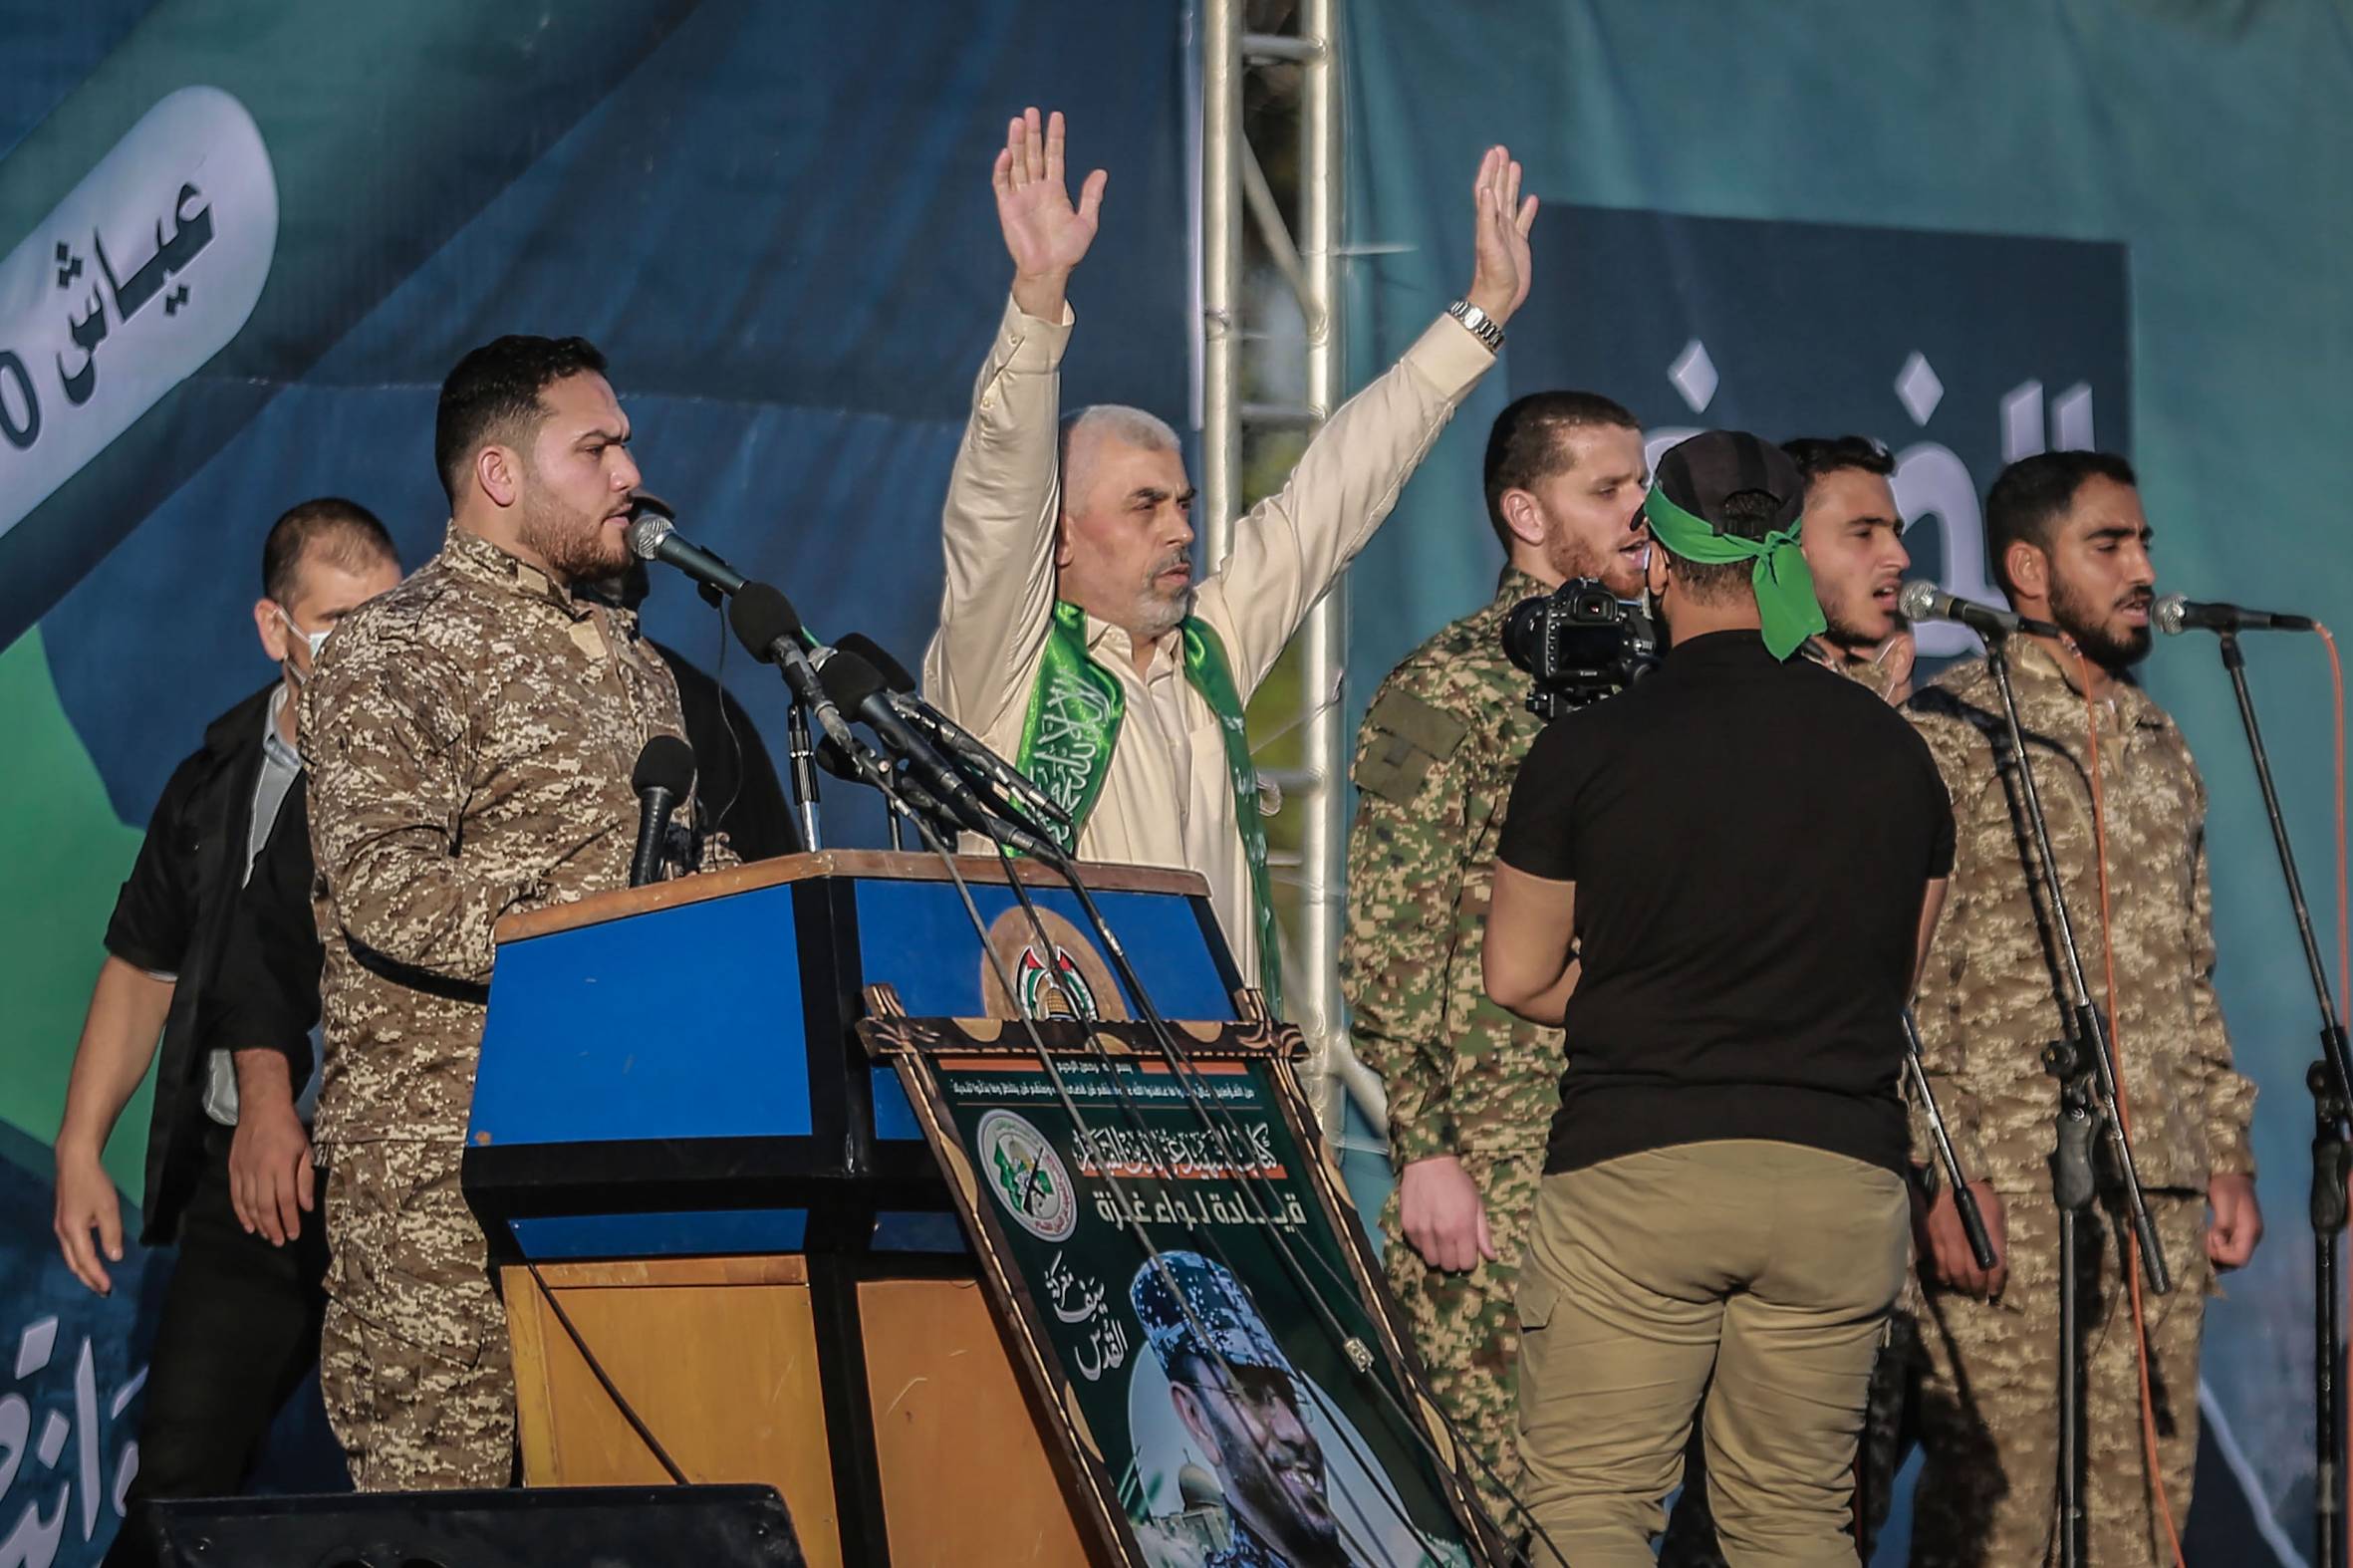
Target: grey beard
{"points": [[1155, 616]]}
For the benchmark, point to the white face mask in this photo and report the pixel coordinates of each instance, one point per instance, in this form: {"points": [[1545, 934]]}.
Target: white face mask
{"points": [[316, 640]]}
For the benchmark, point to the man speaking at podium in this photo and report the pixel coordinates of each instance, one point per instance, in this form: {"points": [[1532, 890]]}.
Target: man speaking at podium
{"points": [[469, 737], [1071, 635]]}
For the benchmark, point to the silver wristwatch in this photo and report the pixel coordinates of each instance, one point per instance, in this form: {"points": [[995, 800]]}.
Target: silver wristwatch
{"points": [[1483, 325]]}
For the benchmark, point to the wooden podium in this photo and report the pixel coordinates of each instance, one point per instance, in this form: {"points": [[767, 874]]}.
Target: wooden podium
{"points": [[690, 1171]]}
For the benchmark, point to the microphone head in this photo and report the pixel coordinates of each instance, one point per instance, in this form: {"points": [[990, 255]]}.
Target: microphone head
{"points": [[894, 673], [761, 617], [849, 680], [1918, 600], [2171, 612], [648, 528], [667, 763]]}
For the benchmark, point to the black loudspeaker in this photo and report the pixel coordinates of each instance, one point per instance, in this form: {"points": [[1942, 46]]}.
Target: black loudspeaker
{"points": [[579, 1527]]}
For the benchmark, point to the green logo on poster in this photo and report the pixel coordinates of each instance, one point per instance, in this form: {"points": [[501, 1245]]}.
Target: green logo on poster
{"points": [[1029, 1178]]}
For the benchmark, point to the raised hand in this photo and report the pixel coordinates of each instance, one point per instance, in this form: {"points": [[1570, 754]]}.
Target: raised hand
{"points": [[1046, 235], [1500, 238]]}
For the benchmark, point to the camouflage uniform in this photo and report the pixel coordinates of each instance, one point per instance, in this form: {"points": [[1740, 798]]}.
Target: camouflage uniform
{"points": [[469, 737], [1987, 1006], [1434, 762]]}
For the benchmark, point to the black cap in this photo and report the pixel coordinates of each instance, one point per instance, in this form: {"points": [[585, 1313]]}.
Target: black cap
{"points": [[1700, 473]]}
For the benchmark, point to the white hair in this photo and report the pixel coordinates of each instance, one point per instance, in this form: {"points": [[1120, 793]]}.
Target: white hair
{"points": [[1083, 431]]}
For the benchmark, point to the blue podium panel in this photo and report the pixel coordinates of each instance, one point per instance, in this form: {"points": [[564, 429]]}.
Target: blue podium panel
{"points": [[674, 1070], [683, 1022], [918, 935], [925, 943]]}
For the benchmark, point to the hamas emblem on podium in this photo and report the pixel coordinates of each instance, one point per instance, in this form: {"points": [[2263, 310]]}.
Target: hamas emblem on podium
{"points": [[1029, 1179], [1077, 986]]}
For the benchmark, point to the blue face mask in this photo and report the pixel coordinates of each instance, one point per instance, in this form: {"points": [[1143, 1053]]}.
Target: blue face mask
{"points": [[316, 640]]}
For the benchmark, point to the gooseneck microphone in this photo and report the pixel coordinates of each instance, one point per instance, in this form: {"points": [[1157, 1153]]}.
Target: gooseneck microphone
{"points": [[1925, 601], [653, 535], [951, 737], [2175, 614], [766, 624], [663, 776], [859, 689]]}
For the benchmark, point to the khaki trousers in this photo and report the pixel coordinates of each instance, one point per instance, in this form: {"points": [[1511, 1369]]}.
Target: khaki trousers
{"points": [[1758, 1273]]}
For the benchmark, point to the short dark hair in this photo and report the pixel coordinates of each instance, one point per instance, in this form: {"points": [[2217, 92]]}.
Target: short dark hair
{"points": [[494, 391], [1748, 514], [1816, 455], [2032, 494], [1524, 445], [344, 531]]}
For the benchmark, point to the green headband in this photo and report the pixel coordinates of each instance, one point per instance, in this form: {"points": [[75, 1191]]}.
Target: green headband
{"points": [[1784, 587]]}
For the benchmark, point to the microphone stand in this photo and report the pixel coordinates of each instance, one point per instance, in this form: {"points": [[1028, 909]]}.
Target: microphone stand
{"points": [[2085, 1069], [804, 773], [2331, 1083], [1965, 1201]]}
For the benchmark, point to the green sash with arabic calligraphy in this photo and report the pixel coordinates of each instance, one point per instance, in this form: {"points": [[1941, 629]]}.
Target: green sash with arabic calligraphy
{"points": [[1074, 721]]}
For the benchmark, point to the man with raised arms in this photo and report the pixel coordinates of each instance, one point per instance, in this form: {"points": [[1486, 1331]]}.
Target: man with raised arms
{"points": [[1072, 635]]}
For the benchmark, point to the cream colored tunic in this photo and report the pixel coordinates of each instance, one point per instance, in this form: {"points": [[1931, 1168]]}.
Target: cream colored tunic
{"points": [[1166, 799]]}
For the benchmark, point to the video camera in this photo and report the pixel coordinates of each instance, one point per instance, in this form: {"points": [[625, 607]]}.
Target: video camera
{"points": [[1581, 642]]}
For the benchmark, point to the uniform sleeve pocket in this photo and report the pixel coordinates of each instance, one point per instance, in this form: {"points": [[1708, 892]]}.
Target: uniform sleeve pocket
{"points": [[1405, 737]]}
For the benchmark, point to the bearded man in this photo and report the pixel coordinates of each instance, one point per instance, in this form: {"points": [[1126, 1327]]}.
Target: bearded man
{"points": [[469, 737]]}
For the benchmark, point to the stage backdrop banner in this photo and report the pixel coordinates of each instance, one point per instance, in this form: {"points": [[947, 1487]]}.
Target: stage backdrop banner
{"points": [[241, 243], [1973, 232]]}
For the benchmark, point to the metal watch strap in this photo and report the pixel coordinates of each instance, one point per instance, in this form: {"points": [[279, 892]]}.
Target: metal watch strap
{"points": [[1483, 325]]}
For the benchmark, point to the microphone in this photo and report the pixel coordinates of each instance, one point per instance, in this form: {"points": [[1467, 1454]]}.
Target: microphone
{"points": [[766, 624], [653, 536], [663, 776], [1925, 601], [858, 687], [2176, 614], [951, 737]]}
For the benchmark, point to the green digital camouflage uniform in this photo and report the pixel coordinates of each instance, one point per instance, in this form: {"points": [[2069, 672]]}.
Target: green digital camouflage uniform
{"points": [[1987, 1006], [469, 737], [1435, 761]]}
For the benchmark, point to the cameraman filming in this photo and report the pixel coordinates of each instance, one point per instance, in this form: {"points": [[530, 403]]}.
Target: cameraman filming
{"points": [[1723, 1205], [1471, 1089]]}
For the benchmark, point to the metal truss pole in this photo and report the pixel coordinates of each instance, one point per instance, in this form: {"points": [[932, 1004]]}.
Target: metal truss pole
{"points": [[1221, 274], [1233, 186]]}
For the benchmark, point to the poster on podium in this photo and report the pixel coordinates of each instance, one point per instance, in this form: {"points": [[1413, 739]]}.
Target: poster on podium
{"points": [[1183, 1277]]}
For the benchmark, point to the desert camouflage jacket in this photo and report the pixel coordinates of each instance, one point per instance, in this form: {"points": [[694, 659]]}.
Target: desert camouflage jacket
{"points": [[469, 737], [1988, 1003]]}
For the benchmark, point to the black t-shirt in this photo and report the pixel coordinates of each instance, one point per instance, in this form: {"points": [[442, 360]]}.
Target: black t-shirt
{"points": [[1749, 839]]}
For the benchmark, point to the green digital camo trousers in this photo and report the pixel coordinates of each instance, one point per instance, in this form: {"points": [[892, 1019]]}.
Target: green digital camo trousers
{"points": [[1466, 1326], [413, 1360], [1989, 1412]]}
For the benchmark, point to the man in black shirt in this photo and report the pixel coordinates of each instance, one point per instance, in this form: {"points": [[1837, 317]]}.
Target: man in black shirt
{"points": [[1723, 1208], [228, 1156]]}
